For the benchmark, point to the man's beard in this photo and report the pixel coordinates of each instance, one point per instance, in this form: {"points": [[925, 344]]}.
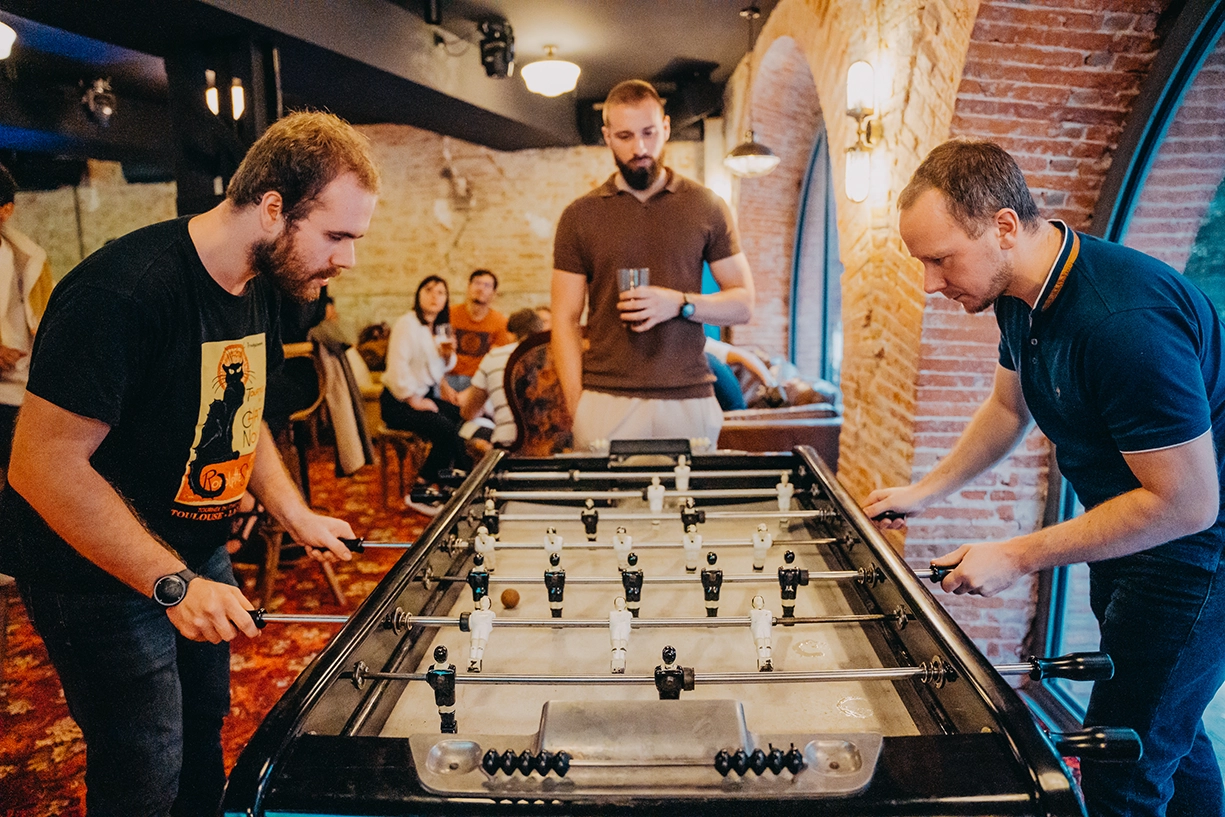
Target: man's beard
{"points": [[643, 177], [277, 260], [996, 286]]}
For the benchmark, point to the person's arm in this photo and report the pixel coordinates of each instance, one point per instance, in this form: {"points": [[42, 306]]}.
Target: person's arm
{"points": [[471, 400], [1178, 495], [997, 427], [271, 485], [646, 307], [751, 362], [569, 296], [51, 469], [402, 376]]}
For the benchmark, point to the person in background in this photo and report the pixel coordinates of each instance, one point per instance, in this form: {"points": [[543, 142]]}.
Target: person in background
{"points": [[416, 396], [720, 357], [546, 318], [1121, 361], [487, 383], [478, 327], [644, 374], [140, 432], [25, 286]]}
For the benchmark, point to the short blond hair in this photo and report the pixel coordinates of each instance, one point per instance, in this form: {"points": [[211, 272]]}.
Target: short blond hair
{"points": [[631, 92], [298, 157]]}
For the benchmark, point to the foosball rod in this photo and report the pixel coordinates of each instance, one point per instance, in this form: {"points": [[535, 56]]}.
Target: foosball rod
{"points": [[580, 544], [626, 476], [578, 494], [640, 517], [695, 578], [573, 623]]}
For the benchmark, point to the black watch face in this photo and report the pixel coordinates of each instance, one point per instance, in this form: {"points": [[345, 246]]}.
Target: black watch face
{"points": [[169, 590]]}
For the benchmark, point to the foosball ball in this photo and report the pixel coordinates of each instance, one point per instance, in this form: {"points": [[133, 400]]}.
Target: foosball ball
{"points": [[653, 630]]}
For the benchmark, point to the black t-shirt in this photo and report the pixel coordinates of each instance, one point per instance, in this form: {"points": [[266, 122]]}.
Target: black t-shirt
{"points": [[140, 337]]}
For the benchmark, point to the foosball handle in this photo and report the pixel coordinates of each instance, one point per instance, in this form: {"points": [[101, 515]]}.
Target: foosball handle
{"points": [[257, 615], [1075, 666], [888, 515], [1102, 743], [451, 477], [938, 572], [354, 545]]}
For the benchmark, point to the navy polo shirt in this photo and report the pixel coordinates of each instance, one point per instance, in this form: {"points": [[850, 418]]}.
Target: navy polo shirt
{"points": [[1126, 357]]}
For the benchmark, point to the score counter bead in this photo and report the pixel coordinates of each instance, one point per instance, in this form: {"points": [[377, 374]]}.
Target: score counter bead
{"points": [[510, 598]]}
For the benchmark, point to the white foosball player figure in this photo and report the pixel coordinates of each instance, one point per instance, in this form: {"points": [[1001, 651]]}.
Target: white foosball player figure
{"points": [[619, 620], [692, 543], [762, 540], [760, 622], [785, 491], [681, 472], [622, 543], [655, 498], [480, 622], [553, 542], [485, 545]]}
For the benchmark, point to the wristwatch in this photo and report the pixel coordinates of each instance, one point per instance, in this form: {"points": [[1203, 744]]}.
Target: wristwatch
{"points": [[171, 589], [687, 306]]}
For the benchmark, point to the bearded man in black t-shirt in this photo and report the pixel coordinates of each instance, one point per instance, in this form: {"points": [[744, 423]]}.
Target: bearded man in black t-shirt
{"points": [[142, 429]]}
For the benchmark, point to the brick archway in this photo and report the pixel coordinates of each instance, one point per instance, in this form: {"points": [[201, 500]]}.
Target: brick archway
{"points": [[786, 116]]}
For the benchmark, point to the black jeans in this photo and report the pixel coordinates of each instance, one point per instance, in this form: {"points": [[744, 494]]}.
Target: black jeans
{"points": [[440, 428], [1163, 623], [149, 702]]}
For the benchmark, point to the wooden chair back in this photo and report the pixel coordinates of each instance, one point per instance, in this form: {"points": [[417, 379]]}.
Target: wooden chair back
{"points": [[533, 392]]}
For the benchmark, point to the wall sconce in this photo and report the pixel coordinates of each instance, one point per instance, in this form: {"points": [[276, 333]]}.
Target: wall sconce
{"points": [[211, 99], [861, 106], [99, 101], [7, 37], [238, 101], [550, 76]]}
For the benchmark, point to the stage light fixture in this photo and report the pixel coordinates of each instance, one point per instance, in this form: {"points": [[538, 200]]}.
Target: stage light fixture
{"points": [[497, 48], [99, 101]]}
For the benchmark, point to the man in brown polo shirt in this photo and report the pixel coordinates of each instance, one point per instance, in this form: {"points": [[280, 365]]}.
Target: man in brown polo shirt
{"points": [[644, 374]]}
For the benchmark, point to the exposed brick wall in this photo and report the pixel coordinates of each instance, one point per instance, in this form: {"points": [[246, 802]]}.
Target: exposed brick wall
{"points": [[786, 117], [1052, 81], [1187, 172]]}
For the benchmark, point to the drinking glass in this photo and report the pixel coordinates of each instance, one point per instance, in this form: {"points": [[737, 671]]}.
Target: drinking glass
{"points": [[630, 277]]}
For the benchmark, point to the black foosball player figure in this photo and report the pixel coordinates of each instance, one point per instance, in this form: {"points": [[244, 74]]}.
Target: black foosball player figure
{"points": [[670, 679], [690, 515], [555, 583], [478, 579], [441, 677], [591, 519], [631, 580], [490, 518], [790, 578], [712, 580]]}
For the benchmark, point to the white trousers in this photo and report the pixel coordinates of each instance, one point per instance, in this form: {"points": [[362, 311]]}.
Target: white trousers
{"points": [[603, 417]]}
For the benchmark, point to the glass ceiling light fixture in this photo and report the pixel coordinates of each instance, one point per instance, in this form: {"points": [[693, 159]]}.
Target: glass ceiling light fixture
{"points": [[861, 106], [750, 157], [550, 76], [7, 37]]}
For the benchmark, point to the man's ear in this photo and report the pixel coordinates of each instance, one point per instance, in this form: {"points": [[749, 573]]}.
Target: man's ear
{"points": [[271, 212], [667, 128], [6, 212], [1008, 228]]}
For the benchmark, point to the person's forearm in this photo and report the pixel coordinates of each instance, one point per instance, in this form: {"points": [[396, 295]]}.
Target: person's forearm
{"points": [[728, 307], [84, 509], [992, 433], [271, 484], [568, 361]]}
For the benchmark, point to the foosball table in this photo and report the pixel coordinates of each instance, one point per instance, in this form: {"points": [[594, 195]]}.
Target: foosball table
{"points": [[655, 631]]}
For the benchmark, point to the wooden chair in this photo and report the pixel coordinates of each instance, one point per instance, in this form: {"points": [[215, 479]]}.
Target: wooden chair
{"points": [[533, 392], [407, 448], [7, 587], [301, 431]]}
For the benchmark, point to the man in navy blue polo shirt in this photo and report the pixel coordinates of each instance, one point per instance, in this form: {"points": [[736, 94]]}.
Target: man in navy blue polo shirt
{"points": [[1118, 359]]}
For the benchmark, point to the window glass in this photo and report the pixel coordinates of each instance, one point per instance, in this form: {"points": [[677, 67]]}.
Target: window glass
{"points": [[816, 281]]}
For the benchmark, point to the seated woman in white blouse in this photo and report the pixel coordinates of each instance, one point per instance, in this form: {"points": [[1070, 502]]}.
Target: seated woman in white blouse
{"points": [[416, 397]]}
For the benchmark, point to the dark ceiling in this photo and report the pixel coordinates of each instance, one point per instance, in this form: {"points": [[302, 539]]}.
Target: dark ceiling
{"points": [[367, 60]]}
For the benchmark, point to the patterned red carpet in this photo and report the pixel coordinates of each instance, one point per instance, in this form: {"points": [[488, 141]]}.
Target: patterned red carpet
{"points": [[42, 756]]}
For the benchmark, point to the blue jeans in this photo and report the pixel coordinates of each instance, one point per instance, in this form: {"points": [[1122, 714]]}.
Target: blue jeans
{"points": [[149, 702], [1163, 623]]}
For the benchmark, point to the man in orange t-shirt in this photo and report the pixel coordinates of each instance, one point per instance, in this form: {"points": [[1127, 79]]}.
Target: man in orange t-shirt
{"points": [[478, 327]]}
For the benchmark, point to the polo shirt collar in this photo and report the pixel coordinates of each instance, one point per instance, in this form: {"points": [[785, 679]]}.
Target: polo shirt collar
{"points": [[610, 188], [1059, 268]]}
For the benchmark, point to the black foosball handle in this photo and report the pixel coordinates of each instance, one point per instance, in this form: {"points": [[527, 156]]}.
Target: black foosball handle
{"points": [[888, 515], [355, 545], [938, 572], [1103, 743], [257, 615], [1075, 666]]}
